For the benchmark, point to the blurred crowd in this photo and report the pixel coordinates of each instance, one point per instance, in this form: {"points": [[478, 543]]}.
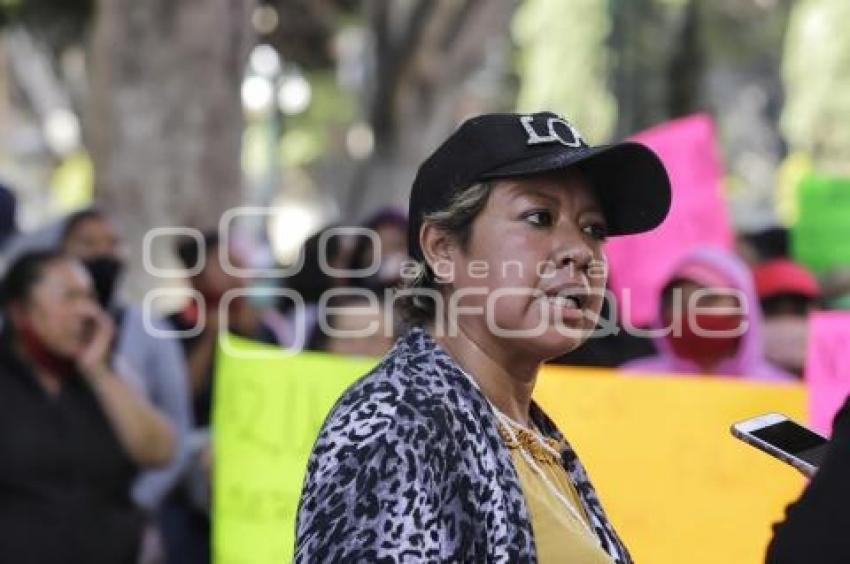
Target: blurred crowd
{"points": [[105, 446]]}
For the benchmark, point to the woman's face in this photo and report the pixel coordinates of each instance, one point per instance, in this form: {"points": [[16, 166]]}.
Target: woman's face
{"points": [[685, 295], [94, 237], [60, 307], [539, 239]]}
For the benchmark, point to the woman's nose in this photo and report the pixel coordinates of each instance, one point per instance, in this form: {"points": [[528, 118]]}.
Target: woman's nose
{"points": [[574, 253]]}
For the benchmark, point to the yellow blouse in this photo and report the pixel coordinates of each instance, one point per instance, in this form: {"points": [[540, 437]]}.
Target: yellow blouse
{"points": [[558, 535]]}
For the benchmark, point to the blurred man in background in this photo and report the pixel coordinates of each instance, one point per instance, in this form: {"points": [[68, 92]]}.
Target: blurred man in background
{"points": [[788, 293], [312, 280], [187, 520], [212, 282]]}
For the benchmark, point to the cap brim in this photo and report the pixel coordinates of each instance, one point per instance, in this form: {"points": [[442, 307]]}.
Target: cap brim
{"points": [[629, 179]]}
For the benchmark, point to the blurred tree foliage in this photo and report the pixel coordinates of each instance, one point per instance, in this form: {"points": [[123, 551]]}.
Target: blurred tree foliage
{"points": [[60, 23], [613, 66], [302, 34], [675, 57], [564, 63], [308, 134], [741, 85], [651, 57], [305, 29], [816, 73], [431, 63]]}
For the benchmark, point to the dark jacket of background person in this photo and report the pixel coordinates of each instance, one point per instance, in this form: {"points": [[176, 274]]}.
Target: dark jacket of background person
{"points": [[817, 526], [64, 477], [8, 215]]}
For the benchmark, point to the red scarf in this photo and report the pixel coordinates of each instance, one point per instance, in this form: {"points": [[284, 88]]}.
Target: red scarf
{"points": [[707, 349], [37, 352]]}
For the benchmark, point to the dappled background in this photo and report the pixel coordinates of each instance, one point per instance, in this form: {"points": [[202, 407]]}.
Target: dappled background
{"points": [[170, 112], [279, 120]]}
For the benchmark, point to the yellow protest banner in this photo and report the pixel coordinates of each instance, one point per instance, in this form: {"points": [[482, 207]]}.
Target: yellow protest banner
{"points": [[678, 487]]}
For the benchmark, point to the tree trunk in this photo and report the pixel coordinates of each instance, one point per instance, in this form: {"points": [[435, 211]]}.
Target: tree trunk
{"points": [[165, 119], [436, 61]]}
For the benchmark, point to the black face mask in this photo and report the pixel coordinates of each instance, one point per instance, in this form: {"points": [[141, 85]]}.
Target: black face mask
{"points": [[104, 271]]}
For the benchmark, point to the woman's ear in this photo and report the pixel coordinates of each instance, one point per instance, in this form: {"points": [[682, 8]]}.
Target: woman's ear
{"points": [[439, 251]]}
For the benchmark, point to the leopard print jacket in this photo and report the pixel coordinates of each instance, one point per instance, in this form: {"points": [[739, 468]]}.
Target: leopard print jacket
{"points": [[409, 467]]}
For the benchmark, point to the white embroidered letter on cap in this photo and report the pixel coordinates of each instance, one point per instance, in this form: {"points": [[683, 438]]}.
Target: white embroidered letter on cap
{"points": [[553, 136]]}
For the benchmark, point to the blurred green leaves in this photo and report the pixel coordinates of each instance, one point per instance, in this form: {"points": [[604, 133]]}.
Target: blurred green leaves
{"points": [[563, 62], [816, 73], [308, 135]]}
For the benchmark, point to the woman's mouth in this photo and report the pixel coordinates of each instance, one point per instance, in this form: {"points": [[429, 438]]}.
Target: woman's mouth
{"points": [[566, 307]]}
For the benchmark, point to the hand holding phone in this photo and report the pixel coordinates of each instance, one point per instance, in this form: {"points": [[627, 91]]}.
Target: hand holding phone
{"points": [[782, 438]]}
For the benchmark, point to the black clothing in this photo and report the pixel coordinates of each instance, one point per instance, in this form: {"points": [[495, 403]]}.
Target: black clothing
{"points": [[202, 400], [64, 477], [817, 526]]}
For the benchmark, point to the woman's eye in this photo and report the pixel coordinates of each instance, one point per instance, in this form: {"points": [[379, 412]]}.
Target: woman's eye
{"points": [[539, 218], [597, 231]]}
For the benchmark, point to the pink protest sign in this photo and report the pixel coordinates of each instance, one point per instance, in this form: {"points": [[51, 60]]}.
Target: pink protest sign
{"points": [[827, 367], [698, 216]]}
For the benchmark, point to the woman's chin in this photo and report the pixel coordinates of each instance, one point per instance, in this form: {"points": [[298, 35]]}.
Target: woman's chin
{"points": [[554, 343], [566, 345]]}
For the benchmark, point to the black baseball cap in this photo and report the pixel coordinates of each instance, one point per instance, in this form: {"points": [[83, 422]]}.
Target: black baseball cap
{"points": [[628, 178]]}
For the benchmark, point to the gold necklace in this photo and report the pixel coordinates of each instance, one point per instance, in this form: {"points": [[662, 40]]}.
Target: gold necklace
{"points": [[505, 425], [544, 449]]}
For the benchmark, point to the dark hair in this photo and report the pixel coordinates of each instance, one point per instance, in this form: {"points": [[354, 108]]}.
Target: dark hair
{"points": [[188, 251], [24, 273], [785, 303], [383, 217], [311, 281], [78, 217], [8, 213], [770, 243]]}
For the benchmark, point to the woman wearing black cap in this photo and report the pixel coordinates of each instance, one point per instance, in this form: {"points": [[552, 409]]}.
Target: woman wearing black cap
{"points": [[439, 454]]}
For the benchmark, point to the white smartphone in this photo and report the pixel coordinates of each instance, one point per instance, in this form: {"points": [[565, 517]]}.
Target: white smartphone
{"points": [[784, 439]]}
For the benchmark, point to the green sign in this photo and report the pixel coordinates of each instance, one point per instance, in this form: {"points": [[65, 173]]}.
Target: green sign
{"points": [[268, 409], [821, 237]]}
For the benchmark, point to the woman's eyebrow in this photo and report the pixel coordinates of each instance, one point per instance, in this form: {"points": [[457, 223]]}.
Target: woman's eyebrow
{"points": [[534, 193], [595, 209]]}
